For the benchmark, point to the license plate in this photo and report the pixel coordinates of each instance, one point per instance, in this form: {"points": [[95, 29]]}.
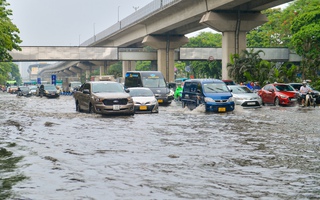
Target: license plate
{"points": [[160, 101], [143, 107], [293, 99], [223, 109], [116, 107], [251, 103]]}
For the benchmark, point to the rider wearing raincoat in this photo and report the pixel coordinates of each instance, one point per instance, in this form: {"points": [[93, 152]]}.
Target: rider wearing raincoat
{"points": [[178, 92]]}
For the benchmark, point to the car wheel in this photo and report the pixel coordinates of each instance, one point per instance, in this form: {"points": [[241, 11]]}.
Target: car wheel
{"points": [[78, 109], [276, 102], [91, 109]]}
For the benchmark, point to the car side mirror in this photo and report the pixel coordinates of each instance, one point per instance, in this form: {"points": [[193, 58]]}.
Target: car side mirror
{"points": [[127, 90]]}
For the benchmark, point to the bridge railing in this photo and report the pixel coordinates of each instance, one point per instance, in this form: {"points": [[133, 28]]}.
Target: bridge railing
{"points": [[140, 14]]}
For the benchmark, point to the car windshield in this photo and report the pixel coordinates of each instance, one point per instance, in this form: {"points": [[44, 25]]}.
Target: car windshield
{"points": [[284, 88], [215, 87], [49, 87], [24, 89], [141, 93], [153, 82], [107, 87], [240, 89], [33, 87]]}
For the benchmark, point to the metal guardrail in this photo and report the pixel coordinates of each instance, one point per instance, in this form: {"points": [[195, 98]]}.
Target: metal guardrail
{"points": [[137, 16]]}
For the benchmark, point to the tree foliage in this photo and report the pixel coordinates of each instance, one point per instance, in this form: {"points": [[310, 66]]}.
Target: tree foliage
{"points": [[9, 71], [9, 38], [306, 39], [202, 69]]}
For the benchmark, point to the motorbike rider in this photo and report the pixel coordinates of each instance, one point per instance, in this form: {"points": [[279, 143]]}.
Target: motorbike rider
{"points": [[304, 90], [41, 90], [178, 92]]}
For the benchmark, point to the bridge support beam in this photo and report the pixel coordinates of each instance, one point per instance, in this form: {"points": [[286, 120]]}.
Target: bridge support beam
{"points": [[234, 26], [77, 71], [165, 46], [128, 66]]}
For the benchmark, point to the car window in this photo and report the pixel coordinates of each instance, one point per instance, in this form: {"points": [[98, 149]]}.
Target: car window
{"points": [[106, 87], [49, 87], [215, 87], [284, 88], [240, 90], [141, 93]]}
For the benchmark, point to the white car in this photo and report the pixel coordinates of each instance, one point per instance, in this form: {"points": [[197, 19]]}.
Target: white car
{"points": [[243, 96], [144, 100]]}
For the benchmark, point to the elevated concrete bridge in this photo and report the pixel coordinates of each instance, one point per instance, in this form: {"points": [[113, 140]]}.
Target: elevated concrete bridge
{"points": [[162, 25], [75, 60]]}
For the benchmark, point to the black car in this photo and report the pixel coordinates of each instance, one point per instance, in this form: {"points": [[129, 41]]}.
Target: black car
{"points": [[297, 86], [24, 91], [50, 91]]}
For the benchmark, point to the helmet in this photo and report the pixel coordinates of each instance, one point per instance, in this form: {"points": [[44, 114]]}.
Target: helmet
{"points": [[304, 83]]}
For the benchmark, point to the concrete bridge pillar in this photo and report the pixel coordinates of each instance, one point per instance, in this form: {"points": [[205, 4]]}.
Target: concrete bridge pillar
{"points": [[76, 70], [128, 66], [234, 27], [165, 55], [104, 68]]}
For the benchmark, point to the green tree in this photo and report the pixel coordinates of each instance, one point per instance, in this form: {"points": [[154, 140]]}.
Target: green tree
{"points": [[205, 39], [9, 38], [9, 71], [249, 66], [115, 70], [306, 39], [5, 69], [205, 69], [143, 65]]}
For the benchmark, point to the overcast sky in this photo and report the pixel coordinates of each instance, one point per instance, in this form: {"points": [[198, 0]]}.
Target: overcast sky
{"points": [[66, 22]]}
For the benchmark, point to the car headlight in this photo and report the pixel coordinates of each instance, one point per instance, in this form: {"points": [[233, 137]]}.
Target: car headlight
{"points": [[130, 100], [171, 93], [283, 96], [97, 99], [230, 99]]}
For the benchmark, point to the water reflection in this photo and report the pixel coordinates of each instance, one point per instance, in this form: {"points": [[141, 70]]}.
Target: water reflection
{"points": [[266, 153], [9, 171]]}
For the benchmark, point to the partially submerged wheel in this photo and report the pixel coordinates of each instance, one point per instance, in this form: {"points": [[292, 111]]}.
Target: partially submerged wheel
{"points": [[276, 102], [92, 109], [78, 109]]}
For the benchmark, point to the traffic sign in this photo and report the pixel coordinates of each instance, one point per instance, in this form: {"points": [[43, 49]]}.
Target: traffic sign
{"points": [[53, 79]]}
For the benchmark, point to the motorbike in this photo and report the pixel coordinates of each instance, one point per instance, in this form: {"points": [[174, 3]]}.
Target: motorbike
{"points": [[310, 99]]}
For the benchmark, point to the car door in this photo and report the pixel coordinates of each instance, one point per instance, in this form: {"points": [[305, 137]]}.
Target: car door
{"points": [[267, 95], [84, 99]]}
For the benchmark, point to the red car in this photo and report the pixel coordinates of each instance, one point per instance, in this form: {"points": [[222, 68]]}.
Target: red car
{"points": [[278, 94]]}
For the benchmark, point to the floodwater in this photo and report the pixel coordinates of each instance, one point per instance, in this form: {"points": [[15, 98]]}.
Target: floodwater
{"points": [[49, 151]]}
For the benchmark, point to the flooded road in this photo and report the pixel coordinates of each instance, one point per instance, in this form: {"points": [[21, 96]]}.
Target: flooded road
{"points": [[49, 151]]}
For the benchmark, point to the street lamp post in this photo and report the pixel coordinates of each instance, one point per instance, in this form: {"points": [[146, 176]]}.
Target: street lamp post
{"points": [[118, 13]]}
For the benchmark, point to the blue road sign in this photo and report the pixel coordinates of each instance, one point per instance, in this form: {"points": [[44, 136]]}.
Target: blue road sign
{"points": [[39, 81], [53, 79]]}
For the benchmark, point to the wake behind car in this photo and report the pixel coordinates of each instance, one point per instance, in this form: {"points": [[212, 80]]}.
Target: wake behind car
{"points": [[278, 94], [104, 97], [212, 93], [144, 100], [243, 96]]}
